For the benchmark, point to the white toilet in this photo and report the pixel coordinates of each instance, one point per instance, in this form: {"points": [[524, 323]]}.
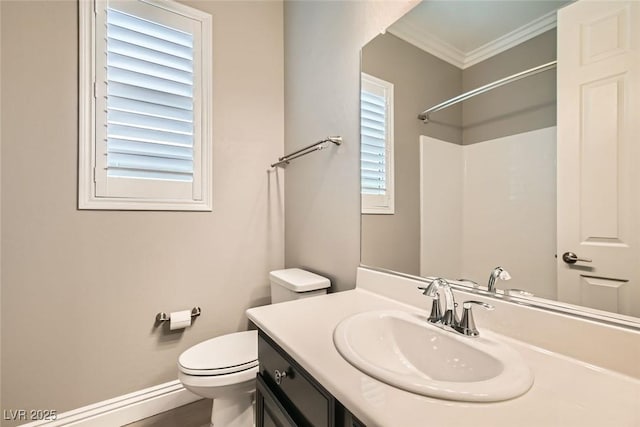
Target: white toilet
{"points": [[224, 368]]}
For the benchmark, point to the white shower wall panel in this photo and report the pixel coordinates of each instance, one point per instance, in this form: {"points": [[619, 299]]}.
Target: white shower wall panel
{"points": [[491, 204], [441, 185], [509, 210]]}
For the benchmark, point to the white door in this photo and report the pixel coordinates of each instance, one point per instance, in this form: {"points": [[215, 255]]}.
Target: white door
{"points": [[599, 154]]}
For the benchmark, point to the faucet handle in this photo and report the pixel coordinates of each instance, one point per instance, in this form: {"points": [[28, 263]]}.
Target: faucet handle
{"points": [[467, 325], [467, 305], [436, 311]]}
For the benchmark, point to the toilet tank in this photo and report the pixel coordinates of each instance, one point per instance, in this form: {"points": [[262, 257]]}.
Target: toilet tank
{"points": [[295, 283]]}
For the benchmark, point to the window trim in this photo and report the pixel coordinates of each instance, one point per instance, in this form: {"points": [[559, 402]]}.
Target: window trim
{"points": [[87, 198], [382, 204]]}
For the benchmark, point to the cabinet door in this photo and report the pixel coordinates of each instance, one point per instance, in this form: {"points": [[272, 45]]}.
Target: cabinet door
{"points": [[269, 411], [347, 419], [305, 400]]}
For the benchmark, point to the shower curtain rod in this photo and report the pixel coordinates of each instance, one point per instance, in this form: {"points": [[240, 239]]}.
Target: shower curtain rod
{"points": [[284, 160], [424, 116]]}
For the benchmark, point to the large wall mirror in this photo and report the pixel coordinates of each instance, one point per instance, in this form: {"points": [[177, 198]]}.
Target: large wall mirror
{"points": [[537, 172]]}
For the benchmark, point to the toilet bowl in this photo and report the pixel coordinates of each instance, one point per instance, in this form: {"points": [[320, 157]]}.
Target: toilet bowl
{"points": [[224, 368]]}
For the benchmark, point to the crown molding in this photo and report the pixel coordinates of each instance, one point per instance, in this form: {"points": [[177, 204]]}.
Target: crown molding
{"points": [[514, 38], [422, 39]]}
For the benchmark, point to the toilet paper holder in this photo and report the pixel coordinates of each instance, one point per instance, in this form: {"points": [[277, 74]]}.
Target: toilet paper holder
{"points": [[164, 317]]}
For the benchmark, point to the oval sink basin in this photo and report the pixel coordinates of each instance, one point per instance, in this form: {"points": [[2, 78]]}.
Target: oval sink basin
{"points": [[404, 350]]}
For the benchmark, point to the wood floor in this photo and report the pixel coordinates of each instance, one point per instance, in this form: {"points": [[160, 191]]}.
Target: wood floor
{"points": [[196, 414]]}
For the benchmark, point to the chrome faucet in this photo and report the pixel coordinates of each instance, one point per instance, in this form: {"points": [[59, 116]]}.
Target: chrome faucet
{"points": [[448, 319], [448, 316], [497, 273]]}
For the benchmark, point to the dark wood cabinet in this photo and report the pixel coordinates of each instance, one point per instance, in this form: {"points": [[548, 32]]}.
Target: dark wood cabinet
{"points": [[269, 410], [287, 395]]}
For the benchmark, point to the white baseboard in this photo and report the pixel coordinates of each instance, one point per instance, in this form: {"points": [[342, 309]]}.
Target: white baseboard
{"points": [[124, 409]]}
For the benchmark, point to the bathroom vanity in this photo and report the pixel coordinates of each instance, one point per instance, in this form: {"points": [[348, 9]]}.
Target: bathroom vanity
{"points": [[287, 395], [317, 386]]}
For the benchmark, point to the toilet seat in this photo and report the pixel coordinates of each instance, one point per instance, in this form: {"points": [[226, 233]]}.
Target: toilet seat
{"points": [[223, 355]]}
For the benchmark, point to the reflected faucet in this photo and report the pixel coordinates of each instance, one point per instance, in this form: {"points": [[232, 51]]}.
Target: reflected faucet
{"points": [[497, 273]]}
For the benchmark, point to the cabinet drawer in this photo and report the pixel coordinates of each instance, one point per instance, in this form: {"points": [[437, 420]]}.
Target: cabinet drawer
{"points": [[306, 401]]}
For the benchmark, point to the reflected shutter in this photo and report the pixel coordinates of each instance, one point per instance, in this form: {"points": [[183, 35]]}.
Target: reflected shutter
{"points": [[373, 143], [376, 146]]}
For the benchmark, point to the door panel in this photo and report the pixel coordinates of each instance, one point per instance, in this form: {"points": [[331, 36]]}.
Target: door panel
{"points": [[599, 155]]}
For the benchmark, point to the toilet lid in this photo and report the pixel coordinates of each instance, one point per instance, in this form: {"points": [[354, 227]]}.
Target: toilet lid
{"points": [[221, 355]]}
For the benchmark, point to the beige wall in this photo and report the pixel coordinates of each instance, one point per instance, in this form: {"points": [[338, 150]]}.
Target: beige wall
{"points": [[1, 204], [322, 79], [521, 106], [80, 289], [420, 80]]}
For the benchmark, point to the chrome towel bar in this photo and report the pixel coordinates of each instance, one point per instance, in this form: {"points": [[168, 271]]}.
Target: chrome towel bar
{"points": [[316, 146]]}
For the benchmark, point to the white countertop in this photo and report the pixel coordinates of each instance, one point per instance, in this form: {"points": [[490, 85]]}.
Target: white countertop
{"points": [[566, 392]]}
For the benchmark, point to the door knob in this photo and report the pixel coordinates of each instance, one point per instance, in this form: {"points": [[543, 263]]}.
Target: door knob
{"points": [[571, 258]]}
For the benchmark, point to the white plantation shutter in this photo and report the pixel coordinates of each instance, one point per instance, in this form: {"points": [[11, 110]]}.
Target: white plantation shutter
{"points": [[376, 145], [152, 136], [149, 99]]}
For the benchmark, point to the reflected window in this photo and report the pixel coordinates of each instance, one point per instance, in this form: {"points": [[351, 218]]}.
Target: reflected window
{"points": [[376, 145]]}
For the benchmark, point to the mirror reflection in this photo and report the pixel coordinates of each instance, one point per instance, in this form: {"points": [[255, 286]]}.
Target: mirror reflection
{"points": [[539, 165]]}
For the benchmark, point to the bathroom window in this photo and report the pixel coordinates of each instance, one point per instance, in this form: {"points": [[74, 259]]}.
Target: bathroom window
{"points": [[376, 145], [145, 103]]}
